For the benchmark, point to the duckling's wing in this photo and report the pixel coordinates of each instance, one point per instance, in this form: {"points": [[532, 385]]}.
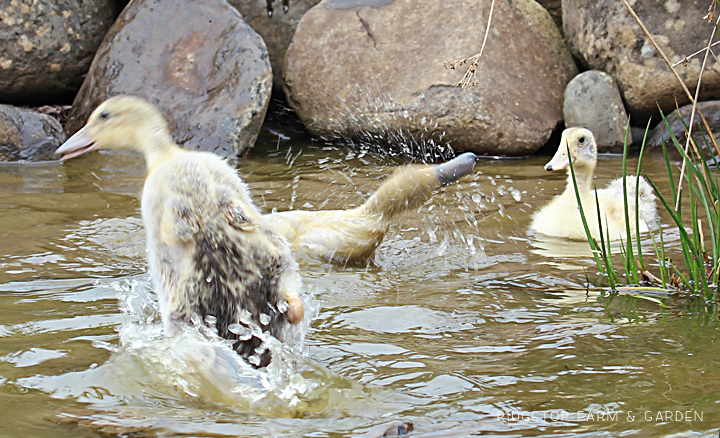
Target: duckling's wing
{"points": [[238, 217], [612, 198]]}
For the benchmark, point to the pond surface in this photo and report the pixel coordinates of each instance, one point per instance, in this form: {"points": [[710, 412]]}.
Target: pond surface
{"points": [[463, 324]]}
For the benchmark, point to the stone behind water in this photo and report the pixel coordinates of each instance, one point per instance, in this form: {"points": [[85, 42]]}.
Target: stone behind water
{"points": [[210, 75], [277, 31], [27, 135], [604, 36], [46, 47], [593, 101], [661, 133], [366, 68]]}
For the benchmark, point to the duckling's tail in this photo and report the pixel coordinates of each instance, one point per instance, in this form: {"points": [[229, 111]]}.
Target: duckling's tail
{"points": [[410, 186]]}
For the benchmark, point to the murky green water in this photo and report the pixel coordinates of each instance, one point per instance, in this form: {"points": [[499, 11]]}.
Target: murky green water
{"points": [[463, 324]]}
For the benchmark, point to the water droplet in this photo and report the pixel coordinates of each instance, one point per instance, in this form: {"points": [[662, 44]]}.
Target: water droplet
{"points": [[244, 316], [432, 237], [241, 331], [254, 360]]}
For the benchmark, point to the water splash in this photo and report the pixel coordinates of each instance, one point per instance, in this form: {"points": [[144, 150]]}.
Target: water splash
{"points": [[196, 369], [378, 124], [199, 364]]}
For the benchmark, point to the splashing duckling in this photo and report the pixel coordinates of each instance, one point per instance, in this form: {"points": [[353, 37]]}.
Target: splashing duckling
{"points": [[351, 236], [561, 217], [212, 258]]}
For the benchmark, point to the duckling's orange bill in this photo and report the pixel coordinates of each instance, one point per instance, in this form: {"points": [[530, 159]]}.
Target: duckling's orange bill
{"points": [[78, 144]]}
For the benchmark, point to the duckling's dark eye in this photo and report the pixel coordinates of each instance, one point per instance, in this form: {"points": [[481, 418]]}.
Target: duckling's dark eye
{"points": [[104, 115], [581, 140]]}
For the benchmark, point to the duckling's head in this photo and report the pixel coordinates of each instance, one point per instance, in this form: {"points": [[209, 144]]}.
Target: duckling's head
{"points": [[581, 145], [122, 122]]}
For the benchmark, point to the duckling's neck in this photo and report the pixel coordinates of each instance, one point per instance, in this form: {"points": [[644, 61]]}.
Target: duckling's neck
{"points": [[583, 176], [158, 148]]}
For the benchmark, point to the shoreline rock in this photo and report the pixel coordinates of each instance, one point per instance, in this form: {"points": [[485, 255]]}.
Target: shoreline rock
{"points": [[27, 135], [47, 47], [376, 67], [604, 36], [592, 101], [711, 111], [277, 31], [211, 76]]}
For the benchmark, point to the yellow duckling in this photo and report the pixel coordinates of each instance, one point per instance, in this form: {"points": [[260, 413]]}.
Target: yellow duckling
{"points": [[353, 235], [561, 217], [212, 258]]}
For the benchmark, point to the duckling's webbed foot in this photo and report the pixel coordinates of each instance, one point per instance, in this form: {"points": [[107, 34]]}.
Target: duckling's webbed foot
{"points": [[252, 348]]}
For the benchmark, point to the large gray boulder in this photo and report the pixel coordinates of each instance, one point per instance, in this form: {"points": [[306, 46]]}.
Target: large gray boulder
{"points": [[276, 30], [204, 67], [604, 36], [592, 101], [27, 135], [375, 67], [47, 46]]}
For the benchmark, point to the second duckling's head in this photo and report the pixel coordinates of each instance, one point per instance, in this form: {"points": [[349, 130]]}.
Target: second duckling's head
{"points": [[121, 122], [581, 145]]}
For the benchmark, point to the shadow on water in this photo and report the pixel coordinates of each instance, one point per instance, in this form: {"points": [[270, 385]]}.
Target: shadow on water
{"points": [[463, 323]]}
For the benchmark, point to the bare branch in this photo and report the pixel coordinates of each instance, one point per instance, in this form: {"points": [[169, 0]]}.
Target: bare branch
{"points": [[686, 59], [675, 73], [470, 77], [689, 138]]}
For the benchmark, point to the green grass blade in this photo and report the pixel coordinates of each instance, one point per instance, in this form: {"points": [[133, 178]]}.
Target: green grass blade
{"points": [[627, 253], [593, 243], [637, 193]]}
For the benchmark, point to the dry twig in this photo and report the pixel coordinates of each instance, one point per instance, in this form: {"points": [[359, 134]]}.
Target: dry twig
{"points": [[687, 59], [689, 140], [470, 77]]}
